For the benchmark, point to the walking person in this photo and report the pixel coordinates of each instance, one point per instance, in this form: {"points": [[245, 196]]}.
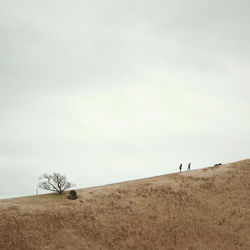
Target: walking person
{"points": [[180, 167], [189, 165]]}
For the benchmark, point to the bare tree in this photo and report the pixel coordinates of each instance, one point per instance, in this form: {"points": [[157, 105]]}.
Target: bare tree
{"points": [[55, 182]]}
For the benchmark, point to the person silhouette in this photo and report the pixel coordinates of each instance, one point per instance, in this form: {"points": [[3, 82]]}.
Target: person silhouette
{"points": [[180, 167], [189, 165]]}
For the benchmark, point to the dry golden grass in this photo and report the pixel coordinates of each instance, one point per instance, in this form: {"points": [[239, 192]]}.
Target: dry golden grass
{"points": [[201, 209]]}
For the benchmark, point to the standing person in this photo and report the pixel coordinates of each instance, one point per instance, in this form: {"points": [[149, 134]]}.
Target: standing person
{"points": [[189, 165], [180, 167]]}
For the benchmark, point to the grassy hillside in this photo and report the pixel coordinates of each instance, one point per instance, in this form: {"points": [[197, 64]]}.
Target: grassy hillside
{"points": [[201, 209]]}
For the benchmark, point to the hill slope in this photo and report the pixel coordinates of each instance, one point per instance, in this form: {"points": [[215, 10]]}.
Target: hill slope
{"points": [[201, 209]]}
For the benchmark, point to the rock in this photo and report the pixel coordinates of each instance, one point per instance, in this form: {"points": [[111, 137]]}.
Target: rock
{"points": [[72, 195], [217, 164]]}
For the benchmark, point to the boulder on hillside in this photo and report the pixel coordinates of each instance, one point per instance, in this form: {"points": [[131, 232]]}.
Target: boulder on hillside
{"points": [[72, 195], [217, 164]]}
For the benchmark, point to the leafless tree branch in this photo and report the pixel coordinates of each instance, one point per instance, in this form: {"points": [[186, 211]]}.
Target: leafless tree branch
{"points": [[56, 182]]}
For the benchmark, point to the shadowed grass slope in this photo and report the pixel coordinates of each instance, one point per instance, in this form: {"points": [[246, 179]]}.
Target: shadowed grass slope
{"points": [[201, 209]]}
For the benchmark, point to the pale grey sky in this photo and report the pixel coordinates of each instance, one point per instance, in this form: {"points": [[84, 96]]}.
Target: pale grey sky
{"points": [[106, 91]]}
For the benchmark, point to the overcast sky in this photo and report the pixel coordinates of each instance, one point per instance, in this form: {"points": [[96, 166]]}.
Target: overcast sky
{"points": [[107, 91]]}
